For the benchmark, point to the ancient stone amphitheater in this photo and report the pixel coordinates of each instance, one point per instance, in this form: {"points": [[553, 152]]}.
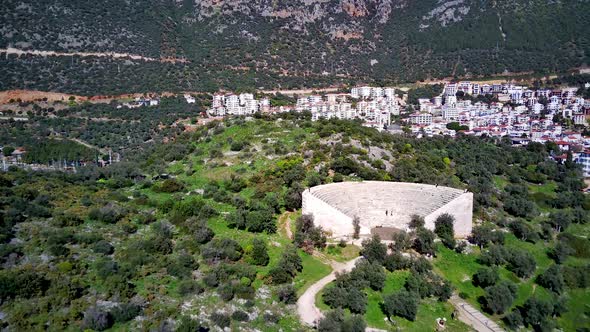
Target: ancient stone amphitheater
{"points": [[383, 206]]}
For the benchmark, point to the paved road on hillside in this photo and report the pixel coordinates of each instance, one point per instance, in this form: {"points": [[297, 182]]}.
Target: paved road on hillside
{"points": [[472, 317], [114, 55]]}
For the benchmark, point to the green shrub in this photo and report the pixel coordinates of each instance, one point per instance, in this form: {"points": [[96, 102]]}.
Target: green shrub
{"points": [[169, 186], [189, 286], [125, 312], [97, 319], [239, 316], [220, 319], [103, 247]]}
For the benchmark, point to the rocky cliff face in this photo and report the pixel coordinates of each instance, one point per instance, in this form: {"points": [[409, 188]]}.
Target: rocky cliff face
{"points": [[352, 15], [296, 15]]}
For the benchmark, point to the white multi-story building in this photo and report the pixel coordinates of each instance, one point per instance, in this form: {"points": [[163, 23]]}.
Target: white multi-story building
{"points": [[375, 107], [450, 113], [451, 100], [451, 89], [218, 101], [584, 160], [421, 118], [389, 92], [361, 92], [243, 104]]}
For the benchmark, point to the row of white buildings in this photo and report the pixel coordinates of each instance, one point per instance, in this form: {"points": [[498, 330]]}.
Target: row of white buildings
{"points": [[368, 92], [242, 104], [523, 113], [373, 105], [516, 92]]}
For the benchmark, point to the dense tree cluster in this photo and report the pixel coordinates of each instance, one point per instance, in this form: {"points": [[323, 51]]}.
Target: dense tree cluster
{"points": [[307, 235], [347, 290], [287, 267], [336, 320], [521, 262]]}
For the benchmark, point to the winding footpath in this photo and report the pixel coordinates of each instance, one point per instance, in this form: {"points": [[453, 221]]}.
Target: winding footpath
{"points": [[306, 308], [310, 314]]}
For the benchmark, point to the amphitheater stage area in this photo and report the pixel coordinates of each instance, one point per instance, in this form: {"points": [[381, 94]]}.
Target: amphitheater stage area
{"points": [[385, 207]]}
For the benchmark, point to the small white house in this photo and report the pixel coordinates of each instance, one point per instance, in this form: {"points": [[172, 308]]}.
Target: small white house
{"points": [[189, 99]]}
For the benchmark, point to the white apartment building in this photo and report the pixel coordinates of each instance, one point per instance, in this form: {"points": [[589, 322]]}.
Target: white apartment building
{"points": [[451, 89], [421, 118], [451, 100], [361, 92], [389, 93], [367, 92], [584, 160], [450, 114], [376, 92], [243, 104], [375, 107]]}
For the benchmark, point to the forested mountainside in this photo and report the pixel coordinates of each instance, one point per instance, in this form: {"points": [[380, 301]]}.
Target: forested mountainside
{"points": [[243, 44]]}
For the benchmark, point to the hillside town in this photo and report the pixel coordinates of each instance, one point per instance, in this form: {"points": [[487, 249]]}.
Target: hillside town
{"points": [[521, 114], [516, 112], [373, 105]]}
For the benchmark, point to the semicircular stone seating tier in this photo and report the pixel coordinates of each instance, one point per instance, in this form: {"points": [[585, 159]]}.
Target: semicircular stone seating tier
{"points": [[388, 204]]}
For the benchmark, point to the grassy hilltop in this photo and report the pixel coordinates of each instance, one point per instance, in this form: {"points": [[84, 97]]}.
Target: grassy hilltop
{"points": [[191, 231]]}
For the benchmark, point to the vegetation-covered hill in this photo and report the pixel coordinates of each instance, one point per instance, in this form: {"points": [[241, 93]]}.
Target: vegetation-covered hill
{"points": [[239, 44], [192, 232]]}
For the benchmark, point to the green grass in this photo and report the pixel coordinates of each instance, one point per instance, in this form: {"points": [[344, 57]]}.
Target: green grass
{"points": [[313, 270], [578, 314], [458, 269], [538, 250], [546, 188], [394, 282], [428, 311], [500, 181], [319, 302], [339, 254]]}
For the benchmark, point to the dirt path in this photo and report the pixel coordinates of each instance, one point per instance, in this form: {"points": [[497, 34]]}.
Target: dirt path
{"points": [[90, 146], [285, 222], [472, 317], [114, 55], [306, 308]]}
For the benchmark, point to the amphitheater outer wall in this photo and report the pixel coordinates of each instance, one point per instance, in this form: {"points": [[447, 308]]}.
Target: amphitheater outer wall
{"points": [[339, 224], [327, 216], [461, 208]]}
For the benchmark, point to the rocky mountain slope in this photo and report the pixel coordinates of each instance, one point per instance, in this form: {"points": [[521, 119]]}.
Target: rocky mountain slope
{"points": [[253, 43]]}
